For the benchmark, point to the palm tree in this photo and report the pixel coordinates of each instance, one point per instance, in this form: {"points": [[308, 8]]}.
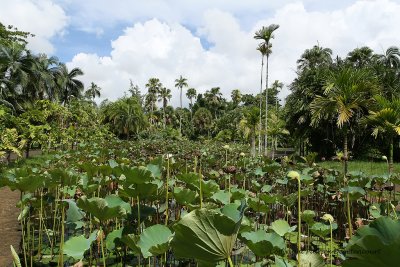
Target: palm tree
{"points": [[349, 92], [180, 83], [43, 81], [153, 86], [276, 87], [126, 116], [214, 99], [248, 126], [93, 91], [266, 34], [314, 58], [236, 96], [386, 121], [16, 68], [360, 57], [391, 58], [191, 94], [164, 95], [68, 83], [264, 50]]}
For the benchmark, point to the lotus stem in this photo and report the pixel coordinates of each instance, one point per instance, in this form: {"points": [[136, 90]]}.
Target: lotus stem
{"points": [[299, 221], [40, 224], [61, 260], [102, 246], [331, 242], [230, 262], [23, 234], [166, 193], [200, 186], [138, 210]]}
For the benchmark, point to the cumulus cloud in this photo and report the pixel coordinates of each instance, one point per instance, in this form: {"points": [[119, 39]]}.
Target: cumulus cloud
{"points": [[166, 48], [40, 17]]}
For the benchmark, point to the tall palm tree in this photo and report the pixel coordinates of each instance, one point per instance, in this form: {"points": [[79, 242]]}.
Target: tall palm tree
{"points": [[314, 58], [164, 95], [153, 86], [214, 99], [180, 83], [385, 121], [93, 91], [68, 83], [391, 58], [191, 94], [349, 92], [236, 96], [43, 81], [248, 125], [266, 34], [16, 69], [276, 87], [264, 50], [360, 57]]}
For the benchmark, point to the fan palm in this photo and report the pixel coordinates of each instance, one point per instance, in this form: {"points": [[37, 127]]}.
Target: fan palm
{"points": [[153, 86], [266, 34], [386, 121], [248, 125], [164, 95], [348, 92]]}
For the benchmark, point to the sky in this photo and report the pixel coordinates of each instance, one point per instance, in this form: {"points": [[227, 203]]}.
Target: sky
{"points": [[209, 42]]}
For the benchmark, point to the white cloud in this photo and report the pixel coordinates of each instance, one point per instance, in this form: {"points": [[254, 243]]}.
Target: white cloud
{"points": [[40, 17], [169, 49]]}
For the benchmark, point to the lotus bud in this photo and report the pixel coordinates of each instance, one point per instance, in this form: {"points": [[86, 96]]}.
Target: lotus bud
{"points": [[314, 164], [328, 217], [294, 175], [242, 154], [226, 147], [384, 158], [168, 156]]}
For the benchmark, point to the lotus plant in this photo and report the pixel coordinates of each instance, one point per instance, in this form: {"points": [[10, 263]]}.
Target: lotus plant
{"points": [[329, 218], [296, 176]]}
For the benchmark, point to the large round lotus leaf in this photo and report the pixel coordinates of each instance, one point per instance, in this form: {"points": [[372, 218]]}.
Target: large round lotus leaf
{"points": [[100, 208], [308, 259], [377, 244], [205, 235], [355, 192], [281, 262], [143, 190], [308, 216], [281, 227], [137, 175], [263, 244], [184, 196], [257, 204], [76, 246], [222, 197], [322, 229], [113, 238], [74, 214], [192, 181], [154, 240], [114, 201], [131, 241]]}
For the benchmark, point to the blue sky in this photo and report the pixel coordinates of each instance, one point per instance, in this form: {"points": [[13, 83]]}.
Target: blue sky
{"points": [[210, 42]]}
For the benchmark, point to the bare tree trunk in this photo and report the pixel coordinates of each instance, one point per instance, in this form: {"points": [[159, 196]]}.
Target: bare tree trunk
{"points": [[345, 152], [391, 156], [253, 145], [266, 109], [260, 126]]}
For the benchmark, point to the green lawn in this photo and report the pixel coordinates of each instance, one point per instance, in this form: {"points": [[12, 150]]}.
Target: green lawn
{"points": [[368, 167]]}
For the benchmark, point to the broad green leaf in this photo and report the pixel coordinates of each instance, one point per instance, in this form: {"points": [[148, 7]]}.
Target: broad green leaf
{"points": [[264, 244], [155, 240], [377, 244], [308, 259], [205, 235], [281, 227], [76, 246], [100, 208]]}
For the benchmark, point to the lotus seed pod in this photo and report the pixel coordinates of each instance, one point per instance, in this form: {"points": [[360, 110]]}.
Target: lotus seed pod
{"points": [[294, 175], [328, 217]]}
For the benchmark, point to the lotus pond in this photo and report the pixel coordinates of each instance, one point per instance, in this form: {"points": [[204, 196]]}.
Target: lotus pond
{"points": [[186, 204]]}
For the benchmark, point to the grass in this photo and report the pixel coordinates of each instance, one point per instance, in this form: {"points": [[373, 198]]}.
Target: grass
{"points": [[367, 167]]}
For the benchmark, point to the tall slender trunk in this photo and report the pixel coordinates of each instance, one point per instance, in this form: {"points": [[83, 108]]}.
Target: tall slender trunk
{"points": [[266, 109], [391, 156], [253, 144], [180, 116], [261, 100], [345, 152]]}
